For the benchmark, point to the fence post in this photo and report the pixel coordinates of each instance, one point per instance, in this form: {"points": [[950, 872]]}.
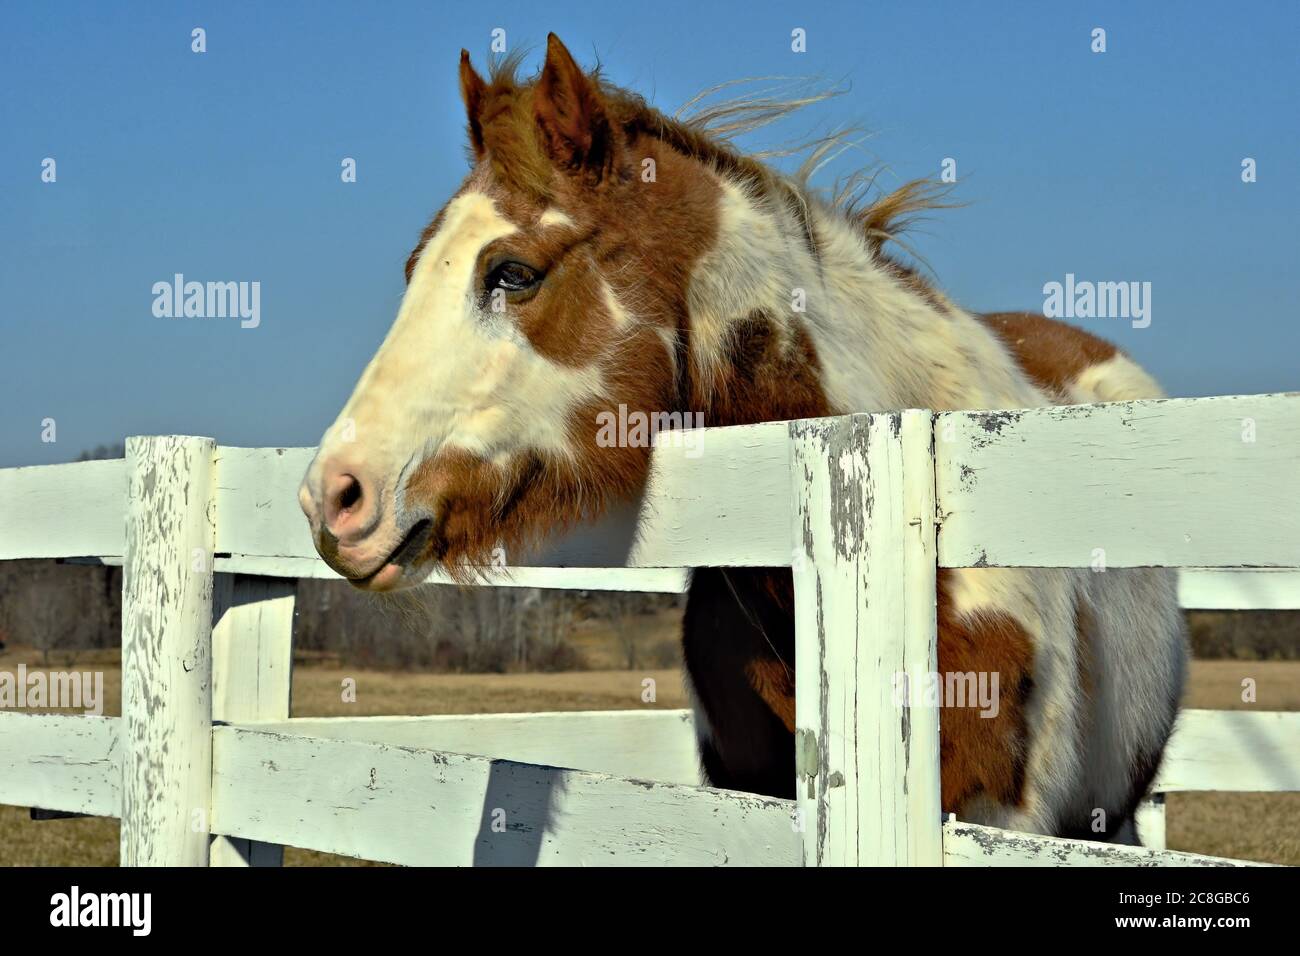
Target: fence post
{"points": [[1149, 818], [167, 651], [252, 669], [865, 570]]}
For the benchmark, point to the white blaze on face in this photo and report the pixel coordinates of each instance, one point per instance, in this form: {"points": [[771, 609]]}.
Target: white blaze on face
{"points": [[453, 373]]}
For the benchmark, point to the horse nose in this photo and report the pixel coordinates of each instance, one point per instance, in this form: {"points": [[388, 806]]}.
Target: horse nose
{"points": [[348, 505]]}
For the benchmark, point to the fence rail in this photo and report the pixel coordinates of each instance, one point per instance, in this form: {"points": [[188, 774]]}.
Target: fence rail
{"points": [[205, 764]]}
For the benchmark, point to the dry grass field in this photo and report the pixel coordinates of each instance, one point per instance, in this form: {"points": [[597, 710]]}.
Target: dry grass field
{"points": [[1262, 827]]}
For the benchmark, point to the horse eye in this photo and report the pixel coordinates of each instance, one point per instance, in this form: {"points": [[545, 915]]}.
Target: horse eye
{"points": [[512, 277]]}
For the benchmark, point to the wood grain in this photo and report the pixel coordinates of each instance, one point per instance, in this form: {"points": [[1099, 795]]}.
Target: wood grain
{"points": [[419, 807], [252, 674], [1206, 482], [167, 652], [867, 768]]}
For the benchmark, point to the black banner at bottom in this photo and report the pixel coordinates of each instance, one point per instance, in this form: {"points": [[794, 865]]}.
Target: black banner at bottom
{"points": [[302, 905]]}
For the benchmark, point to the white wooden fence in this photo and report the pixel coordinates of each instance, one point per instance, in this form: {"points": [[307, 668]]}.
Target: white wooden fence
{"points": [[205, 764]]}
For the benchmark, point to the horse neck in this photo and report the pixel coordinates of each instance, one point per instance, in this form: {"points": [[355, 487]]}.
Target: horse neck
{"points": [[793, 314]]}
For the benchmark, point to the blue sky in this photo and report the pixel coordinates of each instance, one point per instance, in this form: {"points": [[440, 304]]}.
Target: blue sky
{"points": [[225, 165]]}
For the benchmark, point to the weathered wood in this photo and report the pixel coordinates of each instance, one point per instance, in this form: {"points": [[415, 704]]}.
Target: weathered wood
{"points": [[66, 510], [257, 497], [167, 651], [646, 745], [864, 576], [967, 844], [1172, 483], [1239, 590], [1150, 821], [1205, 482], [681, 520], [1234, 750], [252, 670], [252, 647], [420, 807], [61, 762]]}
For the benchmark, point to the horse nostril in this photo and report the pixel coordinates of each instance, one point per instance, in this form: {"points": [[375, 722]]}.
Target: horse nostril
{"points": [[344, 500], [350, 495]]}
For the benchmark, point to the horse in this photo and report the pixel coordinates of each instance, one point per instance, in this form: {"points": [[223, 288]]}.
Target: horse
{"points": [[600, 254]]}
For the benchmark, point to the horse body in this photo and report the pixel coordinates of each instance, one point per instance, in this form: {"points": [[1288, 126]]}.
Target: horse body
{"points": [[561, 282], [1090, 664]]}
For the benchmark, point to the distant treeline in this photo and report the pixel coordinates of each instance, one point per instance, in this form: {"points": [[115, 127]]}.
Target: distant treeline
{"points": [[103, 452], [66, 607], [63, 608], [1245, 635], [480, 629]]}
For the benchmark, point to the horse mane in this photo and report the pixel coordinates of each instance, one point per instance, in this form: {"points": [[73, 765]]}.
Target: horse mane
{"points": [[705, 130]]}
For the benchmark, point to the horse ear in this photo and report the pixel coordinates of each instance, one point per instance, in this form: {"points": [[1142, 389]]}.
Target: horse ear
{"points": [[570, 114], [472, 89]]}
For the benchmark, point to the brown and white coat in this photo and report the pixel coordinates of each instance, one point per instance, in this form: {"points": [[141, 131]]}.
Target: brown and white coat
{"points": [[561, 282]]}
